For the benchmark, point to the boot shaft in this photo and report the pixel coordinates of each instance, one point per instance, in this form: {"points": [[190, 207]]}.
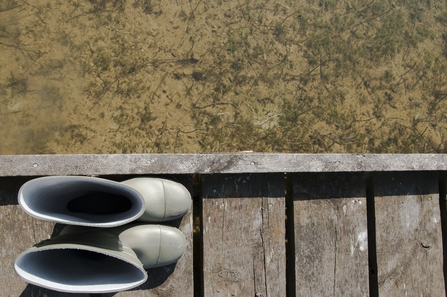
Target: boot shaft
{"points": [[98, 260], [97, 202]]}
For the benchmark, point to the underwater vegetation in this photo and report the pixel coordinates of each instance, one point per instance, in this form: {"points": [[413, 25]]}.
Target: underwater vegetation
{"points": [[131, 76]]}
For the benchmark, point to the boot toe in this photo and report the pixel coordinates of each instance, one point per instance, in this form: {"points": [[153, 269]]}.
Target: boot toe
{"points": [[178, 200], [165, 200], [173, 246], [154, 245]]}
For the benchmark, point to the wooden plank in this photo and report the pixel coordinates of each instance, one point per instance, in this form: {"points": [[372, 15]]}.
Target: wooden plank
{"points": [[18, 232], [35, 165], [331, 240], [244, 235], [408, 234]]}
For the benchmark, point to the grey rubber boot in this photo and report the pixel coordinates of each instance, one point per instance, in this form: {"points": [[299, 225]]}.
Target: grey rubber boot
{"points": [[165, 200], [97, 202], [92, 260]]}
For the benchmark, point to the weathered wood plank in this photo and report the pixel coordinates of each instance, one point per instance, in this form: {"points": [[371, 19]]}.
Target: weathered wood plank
{"points": [[408, 234], [244, 235], [331, 241], [33, 165]]}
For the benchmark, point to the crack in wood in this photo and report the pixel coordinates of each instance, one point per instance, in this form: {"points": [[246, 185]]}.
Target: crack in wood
{"points": [[264, 251]]}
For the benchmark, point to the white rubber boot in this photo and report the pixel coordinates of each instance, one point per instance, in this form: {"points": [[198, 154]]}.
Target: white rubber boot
{"points": [[165, 200], [97, 202], [92, 260]]}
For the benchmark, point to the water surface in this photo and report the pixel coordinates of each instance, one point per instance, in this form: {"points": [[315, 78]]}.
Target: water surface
{"points": [[147, 76]]}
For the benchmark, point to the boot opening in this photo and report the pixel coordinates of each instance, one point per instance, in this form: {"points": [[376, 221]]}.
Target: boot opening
{"points": [[100, 204], [81, 201], [72, 270]]}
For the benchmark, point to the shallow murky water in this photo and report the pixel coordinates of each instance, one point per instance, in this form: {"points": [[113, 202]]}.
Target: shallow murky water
{"points": [[146, 76]]}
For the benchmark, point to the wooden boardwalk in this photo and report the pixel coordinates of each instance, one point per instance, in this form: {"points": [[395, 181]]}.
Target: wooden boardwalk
{"points": [[268, 224]]}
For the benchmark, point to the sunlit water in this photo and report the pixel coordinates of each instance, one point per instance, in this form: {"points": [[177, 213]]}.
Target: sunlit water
{"points": [[222, 76]]}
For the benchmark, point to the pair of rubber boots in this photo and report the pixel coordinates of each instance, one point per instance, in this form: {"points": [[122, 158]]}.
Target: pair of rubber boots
{"points": [[108, 244]]}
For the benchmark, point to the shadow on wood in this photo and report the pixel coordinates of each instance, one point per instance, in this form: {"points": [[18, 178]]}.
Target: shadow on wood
{"points": [[156, 278], [9, 189]]}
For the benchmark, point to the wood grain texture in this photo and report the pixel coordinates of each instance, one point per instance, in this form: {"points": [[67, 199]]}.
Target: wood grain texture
{"points": [[331, 247], [408, 234], [34, 165], [244, 235]]}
